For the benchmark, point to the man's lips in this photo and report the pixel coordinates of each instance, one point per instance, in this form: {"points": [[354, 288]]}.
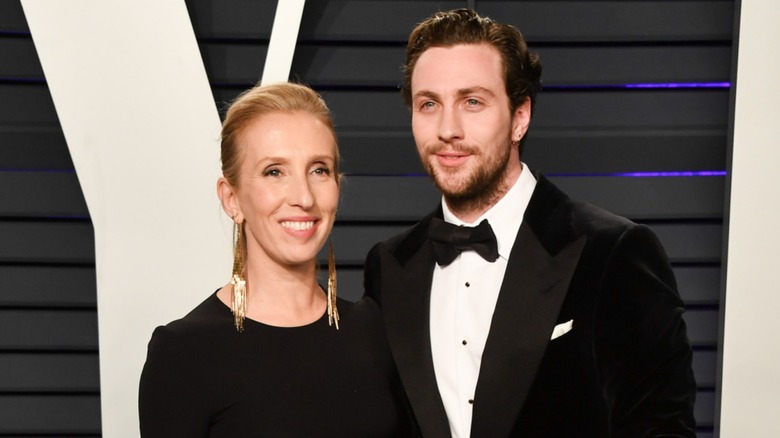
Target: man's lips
{"points": [[451, 158]]}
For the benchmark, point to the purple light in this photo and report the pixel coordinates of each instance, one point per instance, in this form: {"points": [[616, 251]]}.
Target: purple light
{"points": [[681, 85], [643, 86], [647, 174], [664, 174]]}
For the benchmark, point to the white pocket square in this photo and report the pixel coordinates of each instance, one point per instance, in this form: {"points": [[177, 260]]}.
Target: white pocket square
{"points": [[562, 329]]}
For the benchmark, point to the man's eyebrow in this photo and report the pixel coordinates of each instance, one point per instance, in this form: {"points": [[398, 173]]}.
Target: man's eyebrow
{"points": [[426, 93], [472, 90], [460, 93]]}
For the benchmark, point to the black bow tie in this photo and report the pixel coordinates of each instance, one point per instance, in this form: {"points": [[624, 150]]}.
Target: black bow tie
{"points": [[449, 240]]}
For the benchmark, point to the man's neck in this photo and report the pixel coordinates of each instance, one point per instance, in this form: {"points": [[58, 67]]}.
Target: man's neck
{"points": [[471, 210]]}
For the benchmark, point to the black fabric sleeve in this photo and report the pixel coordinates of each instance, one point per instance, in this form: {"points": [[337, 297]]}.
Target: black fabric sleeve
{"points": [[171, 401], [371, 272], [642, 350]]}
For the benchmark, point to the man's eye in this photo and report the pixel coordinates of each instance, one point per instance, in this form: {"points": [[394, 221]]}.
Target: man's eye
{"points": [[427, 104], [472, 102]]}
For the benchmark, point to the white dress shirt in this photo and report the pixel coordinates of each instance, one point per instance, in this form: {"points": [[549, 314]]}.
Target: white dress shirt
{"points": [[463, 298]]}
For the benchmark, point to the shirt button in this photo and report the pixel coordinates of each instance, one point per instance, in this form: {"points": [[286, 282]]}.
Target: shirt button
{"points": [[468, 284], [471, 401], [464, 342]]}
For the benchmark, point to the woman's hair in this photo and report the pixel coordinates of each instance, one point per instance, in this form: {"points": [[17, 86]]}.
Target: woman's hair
{"points": [[522, 69], [262, 100], [258, 102]]}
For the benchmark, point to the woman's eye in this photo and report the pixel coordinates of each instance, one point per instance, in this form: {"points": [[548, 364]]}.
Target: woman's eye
{"points": [[322, 171], [272, 172]]}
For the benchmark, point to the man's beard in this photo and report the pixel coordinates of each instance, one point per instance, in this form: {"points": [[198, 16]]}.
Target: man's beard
{"points": [[482, 188]]}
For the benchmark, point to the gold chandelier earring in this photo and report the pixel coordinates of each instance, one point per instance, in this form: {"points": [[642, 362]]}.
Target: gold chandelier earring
{"points": [[333, 311], [237, 280]]}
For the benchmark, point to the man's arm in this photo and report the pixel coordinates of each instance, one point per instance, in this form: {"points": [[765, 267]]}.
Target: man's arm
{"points": [[642, 350]]}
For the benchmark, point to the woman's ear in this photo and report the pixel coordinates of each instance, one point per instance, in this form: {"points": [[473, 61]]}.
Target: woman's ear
{"points": [[229, 199]]}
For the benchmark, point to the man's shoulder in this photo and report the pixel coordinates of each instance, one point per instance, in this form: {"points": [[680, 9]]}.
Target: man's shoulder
{"points": [[590, 219], [558, 219]]}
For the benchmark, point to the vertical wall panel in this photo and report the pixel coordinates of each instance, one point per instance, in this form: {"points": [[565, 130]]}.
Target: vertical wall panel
{"points": [[751, 355], [133, 100]]}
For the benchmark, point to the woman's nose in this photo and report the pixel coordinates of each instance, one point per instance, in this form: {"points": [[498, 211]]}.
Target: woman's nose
{"points": [[300, 193]]}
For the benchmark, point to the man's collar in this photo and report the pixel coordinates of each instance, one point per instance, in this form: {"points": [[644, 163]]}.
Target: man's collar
{"points": [[506, 215]]}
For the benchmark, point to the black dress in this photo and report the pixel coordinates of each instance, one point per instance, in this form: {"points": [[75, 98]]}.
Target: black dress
{"points": [[204, 379]]}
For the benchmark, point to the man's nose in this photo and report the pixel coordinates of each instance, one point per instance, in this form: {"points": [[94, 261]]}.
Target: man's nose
{"points": [[450, 128]]}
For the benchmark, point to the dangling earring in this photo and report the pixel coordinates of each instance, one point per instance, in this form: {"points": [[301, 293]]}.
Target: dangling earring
{"points": [[333, 312], [237, 280]]}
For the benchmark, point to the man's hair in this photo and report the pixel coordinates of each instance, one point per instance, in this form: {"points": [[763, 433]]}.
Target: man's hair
{"points": [[522, 69]]}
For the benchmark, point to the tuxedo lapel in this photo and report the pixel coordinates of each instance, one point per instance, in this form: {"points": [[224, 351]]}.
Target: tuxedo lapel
{"points": [[407, 317], [540, 268], [533, 289]]}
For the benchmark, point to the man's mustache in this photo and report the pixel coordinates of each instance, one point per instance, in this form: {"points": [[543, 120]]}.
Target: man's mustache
{"points": [[452, 147]]}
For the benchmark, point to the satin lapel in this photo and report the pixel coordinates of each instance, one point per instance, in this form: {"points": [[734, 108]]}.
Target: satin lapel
{"points": [[406, 307], [534, 287]]}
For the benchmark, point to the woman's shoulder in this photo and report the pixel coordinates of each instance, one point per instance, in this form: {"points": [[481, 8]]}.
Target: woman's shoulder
{"points": [[200, 321]]}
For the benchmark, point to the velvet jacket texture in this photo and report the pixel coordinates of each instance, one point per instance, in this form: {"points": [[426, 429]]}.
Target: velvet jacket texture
{"points": [[623, 370]]}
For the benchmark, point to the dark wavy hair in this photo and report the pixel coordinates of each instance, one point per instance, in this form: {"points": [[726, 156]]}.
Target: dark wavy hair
{"points": [[522, 69]]}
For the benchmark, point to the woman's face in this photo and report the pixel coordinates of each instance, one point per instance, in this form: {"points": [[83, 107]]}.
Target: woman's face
{"points": [[287, 192]]}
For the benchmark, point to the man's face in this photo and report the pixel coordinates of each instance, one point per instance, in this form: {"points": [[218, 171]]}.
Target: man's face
{"points": [[462, 123]]}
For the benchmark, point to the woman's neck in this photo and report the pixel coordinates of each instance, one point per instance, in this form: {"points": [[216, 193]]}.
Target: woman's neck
{"points": [[284, 296]]}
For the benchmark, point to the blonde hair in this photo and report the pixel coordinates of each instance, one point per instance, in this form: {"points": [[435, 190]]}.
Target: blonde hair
{"points": [[262, 100], [258, 102]]}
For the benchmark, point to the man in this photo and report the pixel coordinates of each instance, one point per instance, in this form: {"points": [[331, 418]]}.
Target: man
{"points": [[568, 322]]}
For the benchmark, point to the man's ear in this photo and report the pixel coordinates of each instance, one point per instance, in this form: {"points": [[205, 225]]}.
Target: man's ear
{"points": [[229, 199], [521, 118]]}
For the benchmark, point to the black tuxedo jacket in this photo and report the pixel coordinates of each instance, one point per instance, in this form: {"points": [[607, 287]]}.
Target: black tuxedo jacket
{"points": [[623, 370]]}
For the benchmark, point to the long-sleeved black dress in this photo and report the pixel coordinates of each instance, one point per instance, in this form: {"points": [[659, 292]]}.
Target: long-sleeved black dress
{"points": [[204, 379]]}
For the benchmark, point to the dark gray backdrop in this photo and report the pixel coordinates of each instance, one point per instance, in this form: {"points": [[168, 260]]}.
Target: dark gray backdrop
{"points": [[588, 131]]}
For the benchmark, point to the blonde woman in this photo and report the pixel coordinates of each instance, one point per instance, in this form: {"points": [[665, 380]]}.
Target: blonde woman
{"points": [[272, 353]]}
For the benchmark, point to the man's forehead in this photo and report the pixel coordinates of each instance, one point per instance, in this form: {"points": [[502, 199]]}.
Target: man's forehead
{"points": [[460, 59], [464, 52], [457, 69]]}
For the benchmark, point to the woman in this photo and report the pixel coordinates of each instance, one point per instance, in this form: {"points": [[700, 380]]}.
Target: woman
{"points": [[271, 353]]}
